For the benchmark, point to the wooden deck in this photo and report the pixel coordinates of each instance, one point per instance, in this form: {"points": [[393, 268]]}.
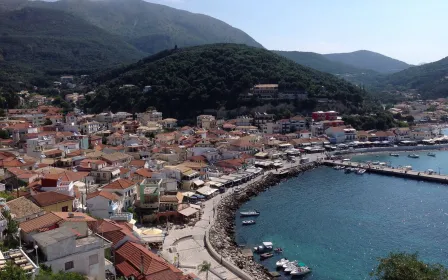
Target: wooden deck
{"points": [[384, 170]]}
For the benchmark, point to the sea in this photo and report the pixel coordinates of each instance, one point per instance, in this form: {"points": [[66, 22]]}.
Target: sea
{"points": [[340, 224]]}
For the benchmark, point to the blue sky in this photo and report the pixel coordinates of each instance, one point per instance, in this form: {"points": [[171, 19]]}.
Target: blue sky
{"points": [[410, 30]]}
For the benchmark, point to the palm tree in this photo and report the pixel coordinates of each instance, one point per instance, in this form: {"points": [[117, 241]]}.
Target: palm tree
{"points": [[204, 267]]}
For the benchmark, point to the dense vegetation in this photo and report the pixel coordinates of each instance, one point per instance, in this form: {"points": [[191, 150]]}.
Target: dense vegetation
{"points": [[381, 121], [321, 63], [369, 60], [152, 27], [53, 40], [403, 266], [187, 81], [431, 80]]}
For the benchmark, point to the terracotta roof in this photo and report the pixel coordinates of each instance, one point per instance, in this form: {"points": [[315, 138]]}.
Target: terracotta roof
{"points": [[144, 172], [78, 217], [137, 163], [119, 184], [154, 267], [49, 198], [105, 194], [68, 176], [43, 221], [112, 230], [22, 207]]}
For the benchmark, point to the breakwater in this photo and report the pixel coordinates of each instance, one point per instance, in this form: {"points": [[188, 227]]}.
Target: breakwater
{"points": [[411, 174], [221, 234]]}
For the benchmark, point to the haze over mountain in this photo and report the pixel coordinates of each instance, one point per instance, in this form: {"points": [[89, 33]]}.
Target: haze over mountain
{"points": [[369, 60]]}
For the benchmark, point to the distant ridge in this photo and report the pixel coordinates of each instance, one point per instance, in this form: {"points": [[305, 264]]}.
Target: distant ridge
{"points": [[364, 59]]}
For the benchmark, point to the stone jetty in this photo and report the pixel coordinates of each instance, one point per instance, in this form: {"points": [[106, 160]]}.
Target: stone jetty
{"points": [[223, 230]]}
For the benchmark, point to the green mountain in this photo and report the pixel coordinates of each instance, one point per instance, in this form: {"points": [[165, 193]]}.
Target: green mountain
{"points": [[152, 27], [321, 63], [430, 80], [369, 60], [186, 81], [46, 39]]}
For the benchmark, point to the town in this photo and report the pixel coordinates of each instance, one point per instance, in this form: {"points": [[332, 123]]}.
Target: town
{"points": [[113, 194]]}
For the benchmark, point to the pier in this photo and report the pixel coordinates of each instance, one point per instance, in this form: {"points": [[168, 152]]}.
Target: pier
{"points": [[385, 170]]}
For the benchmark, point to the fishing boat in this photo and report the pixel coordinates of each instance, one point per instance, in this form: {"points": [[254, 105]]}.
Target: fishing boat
{"points": [[301, 270], [361, 171], [394, 155], [375, 162], [431, 154], [248, 222], [250, 213], [266, 255], [413, 156], [265, 247], [281, 262]]}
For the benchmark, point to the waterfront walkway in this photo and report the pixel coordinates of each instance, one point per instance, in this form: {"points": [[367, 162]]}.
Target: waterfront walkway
{"points": [[188, 243], [411, 174]]}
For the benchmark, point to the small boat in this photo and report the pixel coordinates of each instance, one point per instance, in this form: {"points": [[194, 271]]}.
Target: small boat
{"points": [[266, 246], [290, 268], [289, 264], [249, 213], [361, 171], [375, 162], [394, 155], [278, 250], [301, 270], [431, 154], [266, 255], [248, 222], [337, 167], [281, 262], [413, 156]]}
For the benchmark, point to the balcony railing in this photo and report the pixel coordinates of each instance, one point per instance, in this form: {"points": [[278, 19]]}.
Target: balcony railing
{"points": [[123, 216]]}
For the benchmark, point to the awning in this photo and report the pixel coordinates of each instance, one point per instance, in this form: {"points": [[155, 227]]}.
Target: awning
{"points": [[207, 190], [187, 212], [198, 182], [261, 154], [116, 172]]}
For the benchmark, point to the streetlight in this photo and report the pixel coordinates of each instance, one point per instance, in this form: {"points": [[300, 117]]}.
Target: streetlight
{"points": [[20, 239], [37, 256]]}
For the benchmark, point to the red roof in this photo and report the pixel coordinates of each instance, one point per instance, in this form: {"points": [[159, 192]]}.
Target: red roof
{"points": [[119, 184], [154, 267]]}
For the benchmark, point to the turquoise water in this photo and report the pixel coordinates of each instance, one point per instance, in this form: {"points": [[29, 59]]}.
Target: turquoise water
{"points": [[339, 224]]}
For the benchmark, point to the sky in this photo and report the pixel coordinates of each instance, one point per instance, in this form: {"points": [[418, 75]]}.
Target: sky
{"points": [[413, 31]]}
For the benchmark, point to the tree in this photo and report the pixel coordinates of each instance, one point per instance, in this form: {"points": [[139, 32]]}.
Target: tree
{"points": [[12, 228], [404, 266], [12, 272], [205, 267], [48, 122], [4, 134]]}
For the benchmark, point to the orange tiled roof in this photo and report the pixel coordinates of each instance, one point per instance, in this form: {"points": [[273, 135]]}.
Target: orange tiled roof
{"points": [[105, 194], [119, 184], [49, 198]]}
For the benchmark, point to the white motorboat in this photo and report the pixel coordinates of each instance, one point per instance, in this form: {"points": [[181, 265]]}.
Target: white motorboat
{"points": [[249, 213], [301, 270], [266, 246], [281, 262], [375, 162], [248, 222], [394, 155], [290, 267], [361, 171], [413, 156], [289, 264], [431, 154]]}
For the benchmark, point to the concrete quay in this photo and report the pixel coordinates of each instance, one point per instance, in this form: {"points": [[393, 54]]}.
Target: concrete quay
{"points": [[384, 170]]}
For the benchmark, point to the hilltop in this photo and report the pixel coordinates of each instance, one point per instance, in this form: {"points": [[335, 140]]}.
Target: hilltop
{"points": [[430, 80], [369, 60], [46, 39], [152, 27], [187, 81]]}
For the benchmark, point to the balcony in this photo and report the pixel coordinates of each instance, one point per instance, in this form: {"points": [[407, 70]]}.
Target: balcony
{"points": [[123, 216]]}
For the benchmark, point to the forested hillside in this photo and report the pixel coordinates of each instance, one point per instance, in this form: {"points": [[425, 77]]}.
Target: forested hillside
{"points": [[186, 81]]}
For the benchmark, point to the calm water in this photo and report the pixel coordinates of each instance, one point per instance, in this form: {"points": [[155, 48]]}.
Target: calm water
{"points": [[339, 224]]}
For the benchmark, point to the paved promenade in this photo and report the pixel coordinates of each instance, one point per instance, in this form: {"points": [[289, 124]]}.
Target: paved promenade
{"points": [[190, 248]]}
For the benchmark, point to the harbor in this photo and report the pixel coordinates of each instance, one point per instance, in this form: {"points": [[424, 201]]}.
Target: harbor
{"points": [[404, 172]]}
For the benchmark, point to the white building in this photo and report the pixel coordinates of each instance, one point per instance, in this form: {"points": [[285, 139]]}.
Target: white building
{"points": [[149, 116], [244, 121], [36, 146], [103, 204], [90, 127], [206, 121], [270, 128], [63, 251], [126, 189]]}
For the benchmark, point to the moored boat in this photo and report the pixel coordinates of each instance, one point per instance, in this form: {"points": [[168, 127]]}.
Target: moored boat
{"points": [[281, 262], [394, 155], [431, 154], [413, 155], [265, 247], [301, 270], [248, 222], [249, 213], [361, 171], [266, 255]]}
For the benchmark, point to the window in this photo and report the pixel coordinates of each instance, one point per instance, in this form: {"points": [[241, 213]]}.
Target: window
{"points": [[69, 265], [65, 209], [93, 259]]}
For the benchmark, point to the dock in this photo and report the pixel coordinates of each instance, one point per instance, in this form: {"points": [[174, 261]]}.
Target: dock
{"points": [[390, 171]]}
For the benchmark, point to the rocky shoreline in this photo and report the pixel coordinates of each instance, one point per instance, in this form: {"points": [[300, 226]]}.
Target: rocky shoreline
{"points": [[223, 230]]}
